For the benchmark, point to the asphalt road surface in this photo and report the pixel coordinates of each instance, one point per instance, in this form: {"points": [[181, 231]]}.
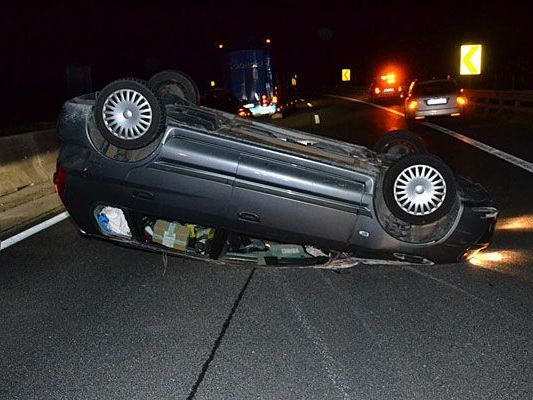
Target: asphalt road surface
{"points": [[83, 318]]}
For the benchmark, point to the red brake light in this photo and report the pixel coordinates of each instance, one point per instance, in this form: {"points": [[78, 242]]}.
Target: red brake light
{"points": [[60, 179]]}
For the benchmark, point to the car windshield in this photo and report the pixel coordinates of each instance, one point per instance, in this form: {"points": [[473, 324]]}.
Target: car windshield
{"points": [[432, 88]]}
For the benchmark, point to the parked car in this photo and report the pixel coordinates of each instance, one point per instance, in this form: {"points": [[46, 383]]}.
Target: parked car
{"points": [[187, 179], [432, 98]]}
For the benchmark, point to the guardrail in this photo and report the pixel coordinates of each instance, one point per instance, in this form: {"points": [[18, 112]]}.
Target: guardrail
{"points": [[27, 159], [517, 101], [27, 195]]}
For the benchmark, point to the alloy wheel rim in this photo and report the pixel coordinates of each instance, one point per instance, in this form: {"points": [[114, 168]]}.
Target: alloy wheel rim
{"points": [[127, 114], [419, 190]]}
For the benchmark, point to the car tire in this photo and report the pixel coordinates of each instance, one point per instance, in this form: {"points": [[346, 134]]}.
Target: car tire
{"points": [[175, 87], [419, 189], [128, 114], [398, 143]]}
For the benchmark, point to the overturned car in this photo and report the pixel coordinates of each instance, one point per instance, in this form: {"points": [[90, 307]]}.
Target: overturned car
{"points": [[143, 164]]}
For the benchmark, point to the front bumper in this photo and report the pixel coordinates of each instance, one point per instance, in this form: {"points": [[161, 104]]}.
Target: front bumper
{"points": [[475, 227]]}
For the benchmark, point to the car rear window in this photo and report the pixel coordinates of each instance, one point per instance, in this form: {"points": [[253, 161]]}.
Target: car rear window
{"points": [[434, 88]]}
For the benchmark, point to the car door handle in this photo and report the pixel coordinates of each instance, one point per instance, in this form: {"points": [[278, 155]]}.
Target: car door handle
{"points": [[248, 216], [143, 195]]}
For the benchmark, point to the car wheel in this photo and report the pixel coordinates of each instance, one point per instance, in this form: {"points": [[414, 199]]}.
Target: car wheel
{"points": [[419, 189], [397, 144], [175, 87], [128, 114]]}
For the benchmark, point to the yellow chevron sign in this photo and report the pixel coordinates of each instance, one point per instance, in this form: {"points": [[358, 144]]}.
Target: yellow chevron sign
{"points": [[345, 75], [470, 59]]}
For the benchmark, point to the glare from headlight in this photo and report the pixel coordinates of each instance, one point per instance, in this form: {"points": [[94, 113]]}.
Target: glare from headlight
{"points": [[523, 223], [481, 258], [502, 261]]}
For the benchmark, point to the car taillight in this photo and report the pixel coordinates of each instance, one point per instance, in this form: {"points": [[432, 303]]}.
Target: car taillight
{"points": [[461, 100], [412, 105], [60, 179], [243, 112]]}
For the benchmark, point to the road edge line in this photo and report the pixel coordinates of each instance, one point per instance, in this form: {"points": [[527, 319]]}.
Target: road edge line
{"points": [[516, 161], [4, 244], [502, 155], [399, 113]]}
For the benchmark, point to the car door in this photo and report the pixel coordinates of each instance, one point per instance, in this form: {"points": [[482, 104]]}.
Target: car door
{"points": [[191, 179], [293, 199]]}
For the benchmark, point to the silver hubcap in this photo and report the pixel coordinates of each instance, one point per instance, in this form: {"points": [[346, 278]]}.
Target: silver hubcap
{"points": [[127, 114], [419, 190]]}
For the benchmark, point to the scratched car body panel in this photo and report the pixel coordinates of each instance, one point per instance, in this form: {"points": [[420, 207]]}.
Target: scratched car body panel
{"points": [[213, 169]]}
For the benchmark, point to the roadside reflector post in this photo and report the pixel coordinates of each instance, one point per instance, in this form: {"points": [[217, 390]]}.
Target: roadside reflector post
{"points": [[470, 62], [346, 74]]}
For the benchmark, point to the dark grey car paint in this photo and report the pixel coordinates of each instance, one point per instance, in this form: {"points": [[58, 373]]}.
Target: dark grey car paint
{"points": [[248, 177]]}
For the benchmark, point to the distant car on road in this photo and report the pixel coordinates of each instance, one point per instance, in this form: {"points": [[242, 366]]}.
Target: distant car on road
{"points": [[174, 176], [386, 87], [431, 98]]}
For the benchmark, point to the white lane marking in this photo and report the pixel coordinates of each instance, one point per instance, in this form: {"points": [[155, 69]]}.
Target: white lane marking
{"points": [[460, 290], [353, 309], [480, 145], [485, 147], [335, 373], [399, 113], [4, 244]]}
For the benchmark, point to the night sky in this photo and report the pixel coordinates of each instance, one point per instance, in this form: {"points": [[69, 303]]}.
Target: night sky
{"points": [[312, 39]]}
